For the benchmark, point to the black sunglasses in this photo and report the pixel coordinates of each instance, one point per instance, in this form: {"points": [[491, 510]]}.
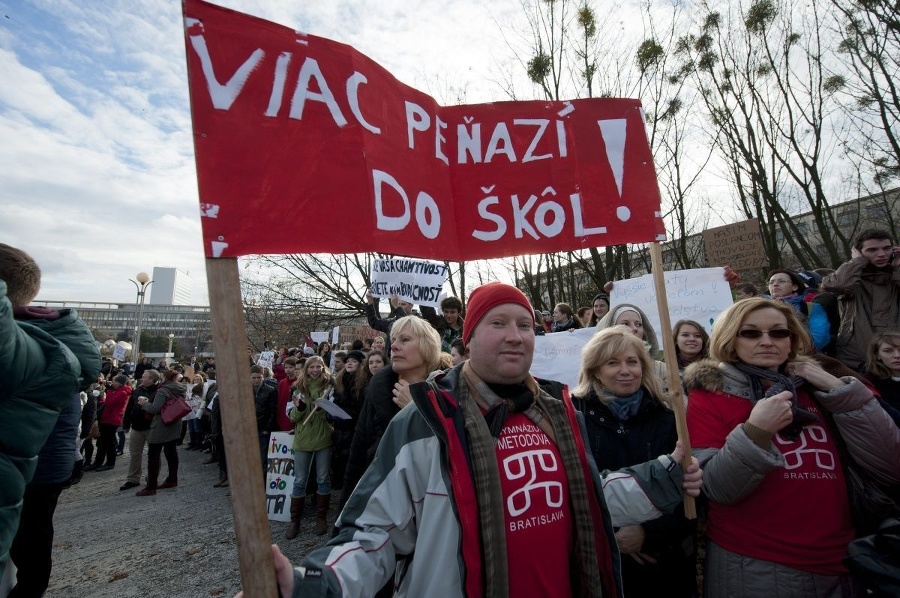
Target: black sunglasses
{"points": [[753, 334]]}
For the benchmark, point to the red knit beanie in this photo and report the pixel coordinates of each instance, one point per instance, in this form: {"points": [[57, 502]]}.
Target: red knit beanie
{"points": [[485, 298]]}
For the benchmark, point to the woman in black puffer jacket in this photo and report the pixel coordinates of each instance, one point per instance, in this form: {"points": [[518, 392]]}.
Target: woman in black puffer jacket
{"points": [[628, 423]]}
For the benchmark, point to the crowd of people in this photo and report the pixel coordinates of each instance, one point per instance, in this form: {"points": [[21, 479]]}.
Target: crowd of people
{"points": [[499, 483]]}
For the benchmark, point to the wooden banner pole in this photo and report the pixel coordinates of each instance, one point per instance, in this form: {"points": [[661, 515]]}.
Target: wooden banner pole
{"points": [[245, 475], [676, 398]]}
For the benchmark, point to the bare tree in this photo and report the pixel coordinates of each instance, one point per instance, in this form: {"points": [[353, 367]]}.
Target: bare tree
{"points": [[869, 33], [771, 105]]}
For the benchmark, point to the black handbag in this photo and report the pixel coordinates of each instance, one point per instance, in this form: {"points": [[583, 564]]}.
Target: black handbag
{"points": [[875, 559]]}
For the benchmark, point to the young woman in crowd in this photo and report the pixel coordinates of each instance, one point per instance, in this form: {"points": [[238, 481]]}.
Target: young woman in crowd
{"points": [[883, 366], [345, 397], [763, 418], [600, 307], [110, 419], [786, 286], [312, 438], [628, 423], [584, 315], [163, 437], [458, 353], [378, 344], [373, 363], [564, 318], [691, 343]]}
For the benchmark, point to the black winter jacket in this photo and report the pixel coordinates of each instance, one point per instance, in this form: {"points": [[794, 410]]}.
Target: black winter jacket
{"points": [[643, 437], [378, 409], [136, 417]]}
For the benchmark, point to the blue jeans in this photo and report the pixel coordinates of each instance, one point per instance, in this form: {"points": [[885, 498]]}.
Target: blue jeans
{"points": [[302, 466]]}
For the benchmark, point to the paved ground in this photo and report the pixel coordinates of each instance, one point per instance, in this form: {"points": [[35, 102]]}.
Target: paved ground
{"points": [[178, 543]]}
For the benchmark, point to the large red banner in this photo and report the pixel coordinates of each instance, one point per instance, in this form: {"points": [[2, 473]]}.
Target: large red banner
{"points": [[305, 145]]}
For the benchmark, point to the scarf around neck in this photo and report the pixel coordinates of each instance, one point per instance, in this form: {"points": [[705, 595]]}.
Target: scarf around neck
{"points": [[624, 408], [779, 382]]}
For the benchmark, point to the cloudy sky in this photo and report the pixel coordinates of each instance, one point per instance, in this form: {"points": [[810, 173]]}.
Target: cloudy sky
{"points": [[96, 158]]}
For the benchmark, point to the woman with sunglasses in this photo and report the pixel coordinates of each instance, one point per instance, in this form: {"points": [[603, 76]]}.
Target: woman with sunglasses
{"points": [[763, 418]]}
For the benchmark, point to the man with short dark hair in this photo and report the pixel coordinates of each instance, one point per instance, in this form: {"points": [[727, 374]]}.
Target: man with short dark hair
{"points": [[483, 485], [450, 323], [868, 287]]}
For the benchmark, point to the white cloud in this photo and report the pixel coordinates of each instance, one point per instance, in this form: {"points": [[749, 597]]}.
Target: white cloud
{"points": [[96, 156]]}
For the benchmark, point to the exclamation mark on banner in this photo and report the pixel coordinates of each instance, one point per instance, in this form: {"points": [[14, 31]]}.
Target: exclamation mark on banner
{"points": [[613, 131]]}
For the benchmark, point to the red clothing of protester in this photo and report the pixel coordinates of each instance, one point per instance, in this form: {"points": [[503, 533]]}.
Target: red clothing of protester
{"points": [[798, 516], [537, 519], [114, 407], [283, 422]]}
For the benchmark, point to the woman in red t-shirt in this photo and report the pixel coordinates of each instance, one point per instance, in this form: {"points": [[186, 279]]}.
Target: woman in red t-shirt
{"points": [[779, 515]]}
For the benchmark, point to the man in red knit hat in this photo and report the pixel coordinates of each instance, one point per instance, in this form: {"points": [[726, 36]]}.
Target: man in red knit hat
{"points": [[486, 480]]}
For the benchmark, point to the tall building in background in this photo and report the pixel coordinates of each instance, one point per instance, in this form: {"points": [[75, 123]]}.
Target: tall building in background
{"points": [[170, 286]]}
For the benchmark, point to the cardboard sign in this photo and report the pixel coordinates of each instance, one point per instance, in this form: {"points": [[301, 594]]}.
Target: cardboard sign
{"points": [[700, 295], [297, 129], [738, 245], [280, 476], [415, 281]]}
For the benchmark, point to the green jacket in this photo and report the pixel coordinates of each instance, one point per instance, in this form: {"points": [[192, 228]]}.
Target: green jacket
{"points": [[43, 362], [316, 434]]}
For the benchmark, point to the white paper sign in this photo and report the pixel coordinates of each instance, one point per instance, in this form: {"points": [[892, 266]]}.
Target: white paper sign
{"points": [[415, 281], [701, 295], [318, 336], [266, 359], [119, 353], [280, 476], [332, 409], [557, 356]]}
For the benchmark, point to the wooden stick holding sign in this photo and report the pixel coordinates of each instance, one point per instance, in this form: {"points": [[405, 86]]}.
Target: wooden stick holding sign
{"points": [[676, 399], [248, 496]]}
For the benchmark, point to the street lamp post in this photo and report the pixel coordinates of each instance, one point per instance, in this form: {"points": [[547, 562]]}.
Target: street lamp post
{"points": [[141, 282], [171, 338]]}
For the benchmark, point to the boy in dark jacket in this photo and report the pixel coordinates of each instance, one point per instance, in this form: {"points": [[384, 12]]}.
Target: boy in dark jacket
{"points": [[46, 358]]}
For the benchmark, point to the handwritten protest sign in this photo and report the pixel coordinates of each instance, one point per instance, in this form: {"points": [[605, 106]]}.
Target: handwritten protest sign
{"points": [[737, 245], [324, 134], [279, 476], [700, 295], [319, 336], [266, 359], [557, 356], [415, 281]]}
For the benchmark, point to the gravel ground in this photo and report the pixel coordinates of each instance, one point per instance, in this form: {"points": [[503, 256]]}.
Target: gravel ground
{"points": [[178, 543]]}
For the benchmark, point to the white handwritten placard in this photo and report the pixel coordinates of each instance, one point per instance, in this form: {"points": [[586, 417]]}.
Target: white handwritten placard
{"points": [[557, 356], [279, 476], [701, 295], [415, 281]]}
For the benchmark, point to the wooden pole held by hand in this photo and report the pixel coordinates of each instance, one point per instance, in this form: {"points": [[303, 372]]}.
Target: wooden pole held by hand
{"points": [[676, 398]]}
